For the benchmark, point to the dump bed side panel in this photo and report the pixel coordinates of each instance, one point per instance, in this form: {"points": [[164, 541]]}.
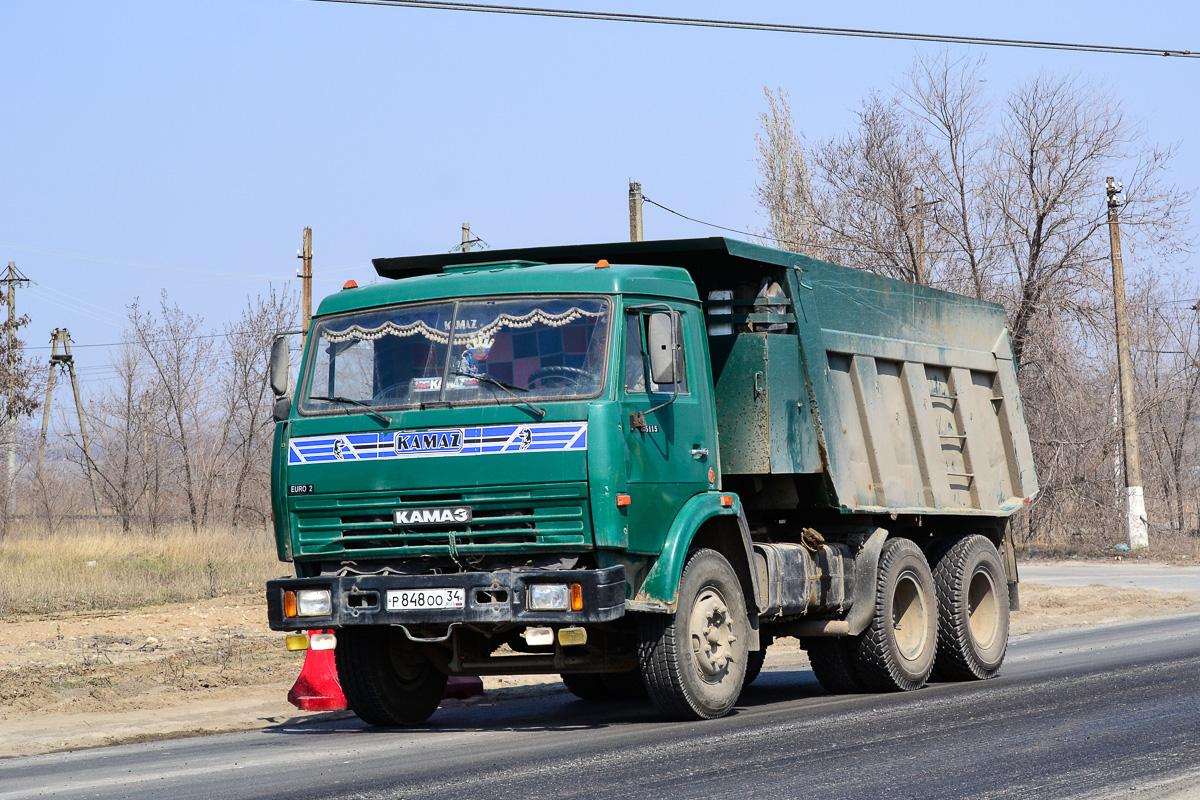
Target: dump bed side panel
{"points": [[914, 395]]}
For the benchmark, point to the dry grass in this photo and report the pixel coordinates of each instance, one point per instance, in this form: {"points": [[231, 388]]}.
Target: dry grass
{"points": [[97, 568]]}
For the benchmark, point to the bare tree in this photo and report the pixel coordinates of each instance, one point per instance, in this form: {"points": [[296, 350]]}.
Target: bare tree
{"points": [[250, 399], [785, 192], [182, 357], [20, 388], [121, 437]]}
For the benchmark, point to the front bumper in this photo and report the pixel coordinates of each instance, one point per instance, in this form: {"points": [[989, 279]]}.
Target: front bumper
{"points": [[491, 598]]}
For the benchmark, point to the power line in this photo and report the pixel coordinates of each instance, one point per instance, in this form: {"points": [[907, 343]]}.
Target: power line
{"points": [[818, 245], [775, 27]]}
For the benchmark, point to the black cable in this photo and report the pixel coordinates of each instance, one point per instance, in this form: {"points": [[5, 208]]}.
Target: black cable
{"points": [[609, 16], [1002, 245]]}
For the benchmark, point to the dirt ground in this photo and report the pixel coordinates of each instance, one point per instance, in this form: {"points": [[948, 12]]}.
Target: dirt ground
{"points": [[85, 680]]}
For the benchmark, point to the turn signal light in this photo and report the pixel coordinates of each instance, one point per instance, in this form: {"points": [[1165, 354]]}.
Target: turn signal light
{"points": [[289, 603], [576, 597], [727, 501]]}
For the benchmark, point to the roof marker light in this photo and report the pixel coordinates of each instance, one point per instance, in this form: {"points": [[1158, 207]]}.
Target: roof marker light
{"points": [[602, 264], [350, 284]]}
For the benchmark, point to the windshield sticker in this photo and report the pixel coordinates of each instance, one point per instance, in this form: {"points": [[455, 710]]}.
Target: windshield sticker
{"points": [[483, 440]]}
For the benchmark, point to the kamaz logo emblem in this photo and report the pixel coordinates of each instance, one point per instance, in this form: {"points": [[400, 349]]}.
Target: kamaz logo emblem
{"points": [[429, 442], [433, 516]]}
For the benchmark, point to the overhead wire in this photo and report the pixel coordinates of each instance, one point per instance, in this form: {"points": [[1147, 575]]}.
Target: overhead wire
{"points": [[773, 27]]}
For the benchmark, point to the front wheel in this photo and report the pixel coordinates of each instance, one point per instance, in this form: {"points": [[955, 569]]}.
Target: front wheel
{"points": [[694, 661], [387, 681], [896, 651]]}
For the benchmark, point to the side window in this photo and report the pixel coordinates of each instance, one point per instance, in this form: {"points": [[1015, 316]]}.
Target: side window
{"points": [[635, 355], [636, 369]]}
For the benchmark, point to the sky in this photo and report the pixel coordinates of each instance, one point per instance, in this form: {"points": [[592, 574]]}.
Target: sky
{"points": [[183, 145]]}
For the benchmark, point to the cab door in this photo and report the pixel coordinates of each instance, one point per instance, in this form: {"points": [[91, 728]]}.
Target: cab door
{"points": [[668, 460]]}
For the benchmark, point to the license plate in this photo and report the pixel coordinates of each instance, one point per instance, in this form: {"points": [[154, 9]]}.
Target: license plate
{"points": [[419, 599]]}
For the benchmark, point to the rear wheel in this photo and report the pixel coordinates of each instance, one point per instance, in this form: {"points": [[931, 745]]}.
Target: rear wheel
{"points": [[387, 681], [896, 651], [586, 685], [832, 661], [972, 609], [626, 685], [754, 664], [694, 661]]}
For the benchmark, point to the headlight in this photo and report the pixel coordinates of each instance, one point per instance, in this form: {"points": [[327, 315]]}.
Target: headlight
{"points": [[313, 603], [549, 597]]}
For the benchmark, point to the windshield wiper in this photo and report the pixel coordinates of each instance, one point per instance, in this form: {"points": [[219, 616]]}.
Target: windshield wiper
{"points": [[348, 401], [512, 390]]}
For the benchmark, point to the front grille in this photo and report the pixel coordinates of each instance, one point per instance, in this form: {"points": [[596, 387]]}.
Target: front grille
{"points": [[553, 517]]}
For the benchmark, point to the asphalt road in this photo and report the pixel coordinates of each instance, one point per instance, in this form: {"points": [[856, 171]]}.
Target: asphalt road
{"points": [[1124, 574], [1102, 711]]}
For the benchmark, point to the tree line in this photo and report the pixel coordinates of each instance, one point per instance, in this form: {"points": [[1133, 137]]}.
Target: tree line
{"points": [[942, 183], [180, 435]]}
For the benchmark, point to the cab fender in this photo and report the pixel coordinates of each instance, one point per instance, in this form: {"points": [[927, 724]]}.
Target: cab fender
{"points": [[702, 522]]}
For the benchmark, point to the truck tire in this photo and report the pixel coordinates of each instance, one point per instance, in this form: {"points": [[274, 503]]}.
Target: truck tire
{"points": [[897, 650], [586, 685], [754, 665], [832, 662], [694, 661], [972, 596], [626, 685], [387, 681]]}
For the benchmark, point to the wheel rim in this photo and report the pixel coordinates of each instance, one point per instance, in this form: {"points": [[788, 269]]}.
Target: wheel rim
{"points": [[711, 630], [910, 616], [983, 610]]}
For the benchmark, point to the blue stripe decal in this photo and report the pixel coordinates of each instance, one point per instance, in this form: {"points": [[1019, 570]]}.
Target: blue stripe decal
{"points": [[438, 442]]}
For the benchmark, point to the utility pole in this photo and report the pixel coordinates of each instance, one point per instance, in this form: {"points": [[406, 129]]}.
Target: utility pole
{"points": [[635, 212], [466, 237], [12, 279], [1136, 524], [66, 361], [305, 255], [920, 235]]}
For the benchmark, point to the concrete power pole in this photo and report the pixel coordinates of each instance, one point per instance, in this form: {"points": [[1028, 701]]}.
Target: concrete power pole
{"points": [[1136, 524], [635, 212], [920, 235], [61, 336], [466, 237], [305, 256], [12, 279]]}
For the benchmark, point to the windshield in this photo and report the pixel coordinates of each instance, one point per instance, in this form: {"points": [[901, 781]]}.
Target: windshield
{"points": [[503, 351]]}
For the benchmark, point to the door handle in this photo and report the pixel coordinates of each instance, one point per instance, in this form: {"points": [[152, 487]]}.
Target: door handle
{"points": [[699, 452]]}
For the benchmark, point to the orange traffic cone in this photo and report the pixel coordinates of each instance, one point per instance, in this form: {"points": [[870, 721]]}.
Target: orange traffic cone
{"points": [[317, 688]]}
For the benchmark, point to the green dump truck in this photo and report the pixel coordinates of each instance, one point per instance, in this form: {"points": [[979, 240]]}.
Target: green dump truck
{"points": [[636, 465]]}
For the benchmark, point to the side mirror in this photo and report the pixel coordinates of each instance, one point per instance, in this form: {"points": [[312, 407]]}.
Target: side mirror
{"points": [[282, 409], [660, 336], [281, 363]]}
